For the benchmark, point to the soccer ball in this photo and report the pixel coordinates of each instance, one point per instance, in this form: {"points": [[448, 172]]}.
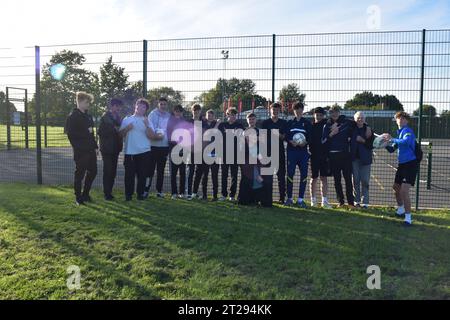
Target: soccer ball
{"points": [[379, 142], [299, 138]]}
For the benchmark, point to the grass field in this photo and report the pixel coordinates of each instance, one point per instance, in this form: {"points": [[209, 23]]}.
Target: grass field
{"points": [[55, 137], [164, 249]]}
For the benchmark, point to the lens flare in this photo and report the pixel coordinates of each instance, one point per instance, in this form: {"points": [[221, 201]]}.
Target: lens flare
{"points": [[57, 71]]}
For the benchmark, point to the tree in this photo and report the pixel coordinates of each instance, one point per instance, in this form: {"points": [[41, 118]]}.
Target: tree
{"points": [[369, 101], [173, 96], [428, 110], [291, 93], [58, 95], [236, 89], [3, 108], [113, 81]]}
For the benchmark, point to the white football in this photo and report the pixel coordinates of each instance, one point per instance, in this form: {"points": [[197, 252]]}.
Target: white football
{"points": [[299, 138], [379, 142]]}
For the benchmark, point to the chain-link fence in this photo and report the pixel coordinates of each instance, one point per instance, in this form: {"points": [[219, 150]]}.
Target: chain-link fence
{"points": [[405, 70]]}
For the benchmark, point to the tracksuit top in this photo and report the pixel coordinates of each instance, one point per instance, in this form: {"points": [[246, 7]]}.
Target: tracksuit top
{"points": [[298, 126], [406, 143]]}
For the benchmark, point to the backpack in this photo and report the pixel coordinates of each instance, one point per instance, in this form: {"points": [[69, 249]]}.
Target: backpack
{"points": [[418, 152]]}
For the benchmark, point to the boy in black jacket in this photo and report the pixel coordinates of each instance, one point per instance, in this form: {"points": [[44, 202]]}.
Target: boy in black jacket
{"points": [[80, 131], [337, 134], [110, 145]]}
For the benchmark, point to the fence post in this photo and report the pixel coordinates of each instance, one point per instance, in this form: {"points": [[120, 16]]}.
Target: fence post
{"points": [[273, 66], [37, 54], [8, 121], [27, 138], [144, 70], [419, 125]]}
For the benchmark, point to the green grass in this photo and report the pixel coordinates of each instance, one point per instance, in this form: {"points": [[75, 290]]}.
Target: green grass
{"points": [[55, 137], [164, 249]]}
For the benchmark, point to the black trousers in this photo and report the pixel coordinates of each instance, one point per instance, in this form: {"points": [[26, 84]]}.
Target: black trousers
{"points": [[158, 160], [234, 176], [214, 168], [281, 175], [136, 166], [85, 168], [109, 172], [341, 165], [174, 170]]}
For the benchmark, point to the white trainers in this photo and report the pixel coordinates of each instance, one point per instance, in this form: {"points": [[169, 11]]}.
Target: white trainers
{"points": [[401, 211], [326, 205], [174, 197], [232, 199], [189, 197], [181, 196], [222, 198], [314, 203]]}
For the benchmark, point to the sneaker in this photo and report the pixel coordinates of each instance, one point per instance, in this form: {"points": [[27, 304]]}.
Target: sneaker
{"points": [[302, 204], [281, 201], [232, 199], [289, 202], [189, 197], [181, 196], [365, 206], [326, 205], [222, 198], [194, 196], [313, 203], [174, 197], [401, 211], [407, 224], [109, 197], [357, 205], [160, 195], [146, 194], [79, 201], [86, 198]]}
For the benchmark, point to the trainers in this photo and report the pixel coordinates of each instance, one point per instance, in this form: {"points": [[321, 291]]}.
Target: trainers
{"points": [[194, 196], [326, 205], [401, 211], [109, 197], [86, 198], [222, 198], [289, 202], [365, 206], [146, 194], [302, 204], [181, 196], [160, 195], [174, 197], [79, 201], [232, 199], [313, 203], [189, 197]]}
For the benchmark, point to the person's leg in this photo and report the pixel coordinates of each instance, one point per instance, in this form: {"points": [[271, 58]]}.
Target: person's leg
{"points": [[365, 181], [173, 178], [281, 176], [114, 171], [182, 170], [91, 173], [347, 172], [336, 167], [191, 168], [206, 169], [215, 179], [225, 180], [130, 173], [404, 194], [396, 187], [80, 172], [303, 176], [160, 167], [141, 162], [357, 181], [315, 168], [234, 179], [107, 172], [291, 165], [198, 177]]}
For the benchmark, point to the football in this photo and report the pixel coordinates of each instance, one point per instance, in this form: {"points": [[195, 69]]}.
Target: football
{"points": [[299, 138], [379, 142]]}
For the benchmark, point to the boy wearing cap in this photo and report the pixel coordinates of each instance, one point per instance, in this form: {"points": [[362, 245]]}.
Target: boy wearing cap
{"points": [[110, 145]]}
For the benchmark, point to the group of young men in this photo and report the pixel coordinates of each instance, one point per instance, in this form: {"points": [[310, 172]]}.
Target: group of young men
{"points": [[335, 146]]}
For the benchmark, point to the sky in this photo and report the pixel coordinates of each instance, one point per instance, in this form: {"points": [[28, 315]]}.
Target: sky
{"points": [[44, 22]]}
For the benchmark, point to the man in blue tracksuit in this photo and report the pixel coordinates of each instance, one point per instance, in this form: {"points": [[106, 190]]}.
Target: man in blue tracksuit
{"points": [[407, 164], [297, 153]]}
